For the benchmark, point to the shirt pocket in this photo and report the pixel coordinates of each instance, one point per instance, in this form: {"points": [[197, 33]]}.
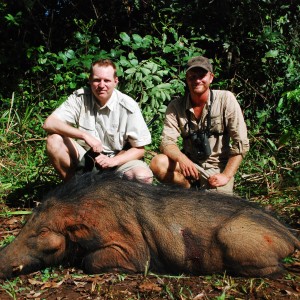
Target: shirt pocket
{"points": [[217, 124], [114, 139], [86, 124]]}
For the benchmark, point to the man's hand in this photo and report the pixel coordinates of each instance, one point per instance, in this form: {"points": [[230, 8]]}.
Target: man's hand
{"points": [[229, 171], [106, 162], [188, 168], [94, 143], [218, 180]]}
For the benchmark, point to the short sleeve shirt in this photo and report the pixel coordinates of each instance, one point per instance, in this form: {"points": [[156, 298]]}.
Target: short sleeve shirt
{"points": [[119, 121], [228, 129]]}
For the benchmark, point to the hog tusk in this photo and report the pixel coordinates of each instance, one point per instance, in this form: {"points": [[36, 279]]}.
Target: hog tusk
{"points": [[18, 268]]}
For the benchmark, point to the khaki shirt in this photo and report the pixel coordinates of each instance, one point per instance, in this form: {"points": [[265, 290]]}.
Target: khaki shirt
{"points": [[228, 128], [118, 121]]}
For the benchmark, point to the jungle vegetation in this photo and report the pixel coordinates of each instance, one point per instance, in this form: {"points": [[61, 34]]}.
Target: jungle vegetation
{"points": [[46, 48]]}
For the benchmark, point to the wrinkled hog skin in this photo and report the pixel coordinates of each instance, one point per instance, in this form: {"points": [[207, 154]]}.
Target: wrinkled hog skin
{"points": [[105, 224]]}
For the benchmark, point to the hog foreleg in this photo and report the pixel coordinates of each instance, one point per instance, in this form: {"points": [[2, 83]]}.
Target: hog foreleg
{"points": [[114, 259]]}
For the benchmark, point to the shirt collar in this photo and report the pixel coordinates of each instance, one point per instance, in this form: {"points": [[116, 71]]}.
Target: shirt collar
{"points": [[110, 104]]}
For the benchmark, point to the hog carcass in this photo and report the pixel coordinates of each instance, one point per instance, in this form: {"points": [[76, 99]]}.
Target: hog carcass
{"points": [[105, 224]]}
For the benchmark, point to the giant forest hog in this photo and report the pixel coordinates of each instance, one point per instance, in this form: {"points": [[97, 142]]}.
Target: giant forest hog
{"points": [[105, 224]]}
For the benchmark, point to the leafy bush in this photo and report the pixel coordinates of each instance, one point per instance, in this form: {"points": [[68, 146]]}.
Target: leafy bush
{"points": [[148, 72], [150, 69]]}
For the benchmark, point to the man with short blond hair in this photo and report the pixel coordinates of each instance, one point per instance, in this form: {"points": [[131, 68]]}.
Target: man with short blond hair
{"points": [[101, 119]]}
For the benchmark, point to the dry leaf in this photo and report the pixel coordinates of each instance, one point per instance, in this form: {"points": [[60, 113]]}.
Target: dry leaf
{"points": [[149, 286], [80, 283], [35, 282], [200, 296], [52, 284]]}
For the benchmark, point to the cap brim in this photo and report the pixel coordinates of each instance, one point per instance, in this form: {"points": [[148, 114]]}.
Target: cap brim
{"points": [[195, 66]]}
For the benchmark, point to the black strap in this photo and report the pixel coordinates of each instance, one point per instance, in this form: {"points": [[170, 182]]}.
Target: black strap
{"points": [[208, 122]]}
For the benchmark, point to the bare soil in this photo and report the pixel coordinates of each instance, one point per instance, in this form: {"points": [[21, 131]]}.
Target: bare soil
{"points": [[69, 283]]}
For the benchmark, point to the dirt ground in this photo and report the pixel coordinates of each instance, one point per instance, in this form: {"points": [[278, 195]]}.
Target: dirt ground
{"points": [[69, 283], [111, 286]]}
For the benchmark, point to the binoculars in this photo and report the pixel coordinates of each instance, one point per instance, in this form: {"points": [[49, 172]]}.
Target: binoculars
{"points": [[202, 146]]}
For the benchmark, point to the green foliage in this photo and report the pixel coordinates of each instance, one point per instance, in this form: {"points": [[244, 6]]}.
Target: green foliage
{"points": [[47, 275], [11, 288], [148, 73], [264, 65], [7, 240], [22, 148], [13, 20], [267, 166], [260, 64]]}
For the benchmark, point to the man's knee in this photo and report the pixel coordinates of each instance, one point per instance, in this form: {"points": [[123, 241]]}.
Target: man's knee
{"points": [[141, 174], [159, 163], [54, 142], [60, 147], [227, 188]]}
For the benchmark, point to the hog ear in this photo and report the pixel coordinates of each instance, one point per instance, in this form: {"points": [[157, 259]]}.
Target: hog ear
{"points": [[78, 232]]}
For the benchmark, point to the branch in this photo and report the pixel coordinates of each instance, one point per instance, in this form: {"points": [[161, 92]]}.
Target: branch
{"points": [[253, 88]]}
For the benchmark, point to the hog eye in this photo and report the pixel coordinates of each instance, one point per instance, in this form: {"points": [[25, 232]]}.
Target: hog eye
{"points": [[50, 251], [43, 232]]}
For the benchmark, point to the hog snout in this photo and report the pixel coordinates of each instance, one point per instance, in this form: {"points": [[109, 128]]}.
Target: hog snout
{"points": [[31, 251], [17, 265], [11, 271]]}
